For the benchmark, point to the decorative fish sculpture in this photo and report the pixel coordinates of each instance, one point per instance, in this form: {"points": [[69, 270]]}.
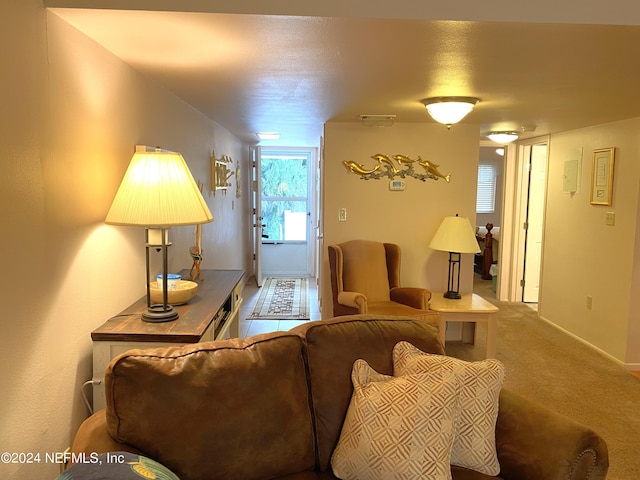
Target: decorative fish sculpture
{"points": [[385, 160], [433, 169], [358, 169], [403, 159]]}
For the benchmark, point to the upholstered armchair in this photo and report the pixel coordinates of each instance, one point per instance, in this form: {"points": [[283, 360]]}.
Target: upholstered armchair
{"points": [[365, 278]]}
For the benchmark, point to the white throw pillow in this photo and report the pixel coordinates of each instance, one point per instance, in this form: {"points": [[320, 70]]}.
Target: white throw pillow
{"points": [[474, 446], [397, 428]]}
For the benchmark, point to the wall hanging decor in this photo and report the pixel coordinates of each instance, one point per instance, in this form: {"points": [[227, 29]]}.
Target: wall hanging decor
{"points": [[396, 166], [220, 173]]}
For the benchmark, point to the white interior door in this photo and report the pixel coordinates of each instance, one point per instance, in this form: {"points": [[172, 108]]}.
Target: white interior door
{"points": [[534, 223], [256, 214]]}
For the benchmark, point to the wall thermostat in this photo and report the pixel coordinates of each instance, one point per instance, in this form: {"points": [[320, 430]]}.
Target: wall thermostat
{"points": [[396, 185]]}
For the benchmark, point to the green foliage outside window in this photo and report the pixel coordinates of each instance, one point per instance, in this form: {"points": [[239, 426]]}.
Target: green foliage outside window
{"points": [[284, 189]]}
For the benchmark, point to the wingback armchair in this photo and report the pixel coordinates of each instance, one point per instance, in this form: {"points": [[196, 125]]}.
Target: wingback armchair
{"points": [[365, 278]]}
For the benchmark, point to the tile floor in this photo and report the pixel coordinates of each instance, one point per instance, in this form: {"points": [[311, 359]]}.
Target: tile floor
{"points": [[250, 295]]}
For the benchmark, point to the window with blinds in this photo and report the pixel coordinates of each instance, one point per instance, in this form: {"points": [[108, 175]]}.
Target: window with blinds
{"points": [[486, 196]]}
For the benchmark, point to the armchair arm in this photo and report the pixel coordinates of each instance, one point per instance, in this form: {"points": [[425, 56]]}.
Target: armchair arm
{"points": [[535, 443], [92, 436], [353, 300], [411, 296]]}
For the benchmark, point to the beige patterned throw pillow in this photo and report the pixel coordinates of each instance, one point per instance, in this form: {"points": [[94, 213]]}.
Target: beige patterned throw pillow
{"points": [[397, 428], [474, 446]]}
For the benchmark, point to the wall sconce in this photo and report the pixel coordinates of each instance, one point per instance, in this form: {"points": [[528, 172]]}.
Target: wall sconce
{"points": [[503, 137], [157, 192], [456, 236], [449, 110]]}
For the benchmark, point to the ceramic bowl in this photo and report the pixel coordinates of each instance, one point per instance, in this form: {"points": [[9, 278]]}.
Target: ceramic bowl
{"points": [[185, 292]]}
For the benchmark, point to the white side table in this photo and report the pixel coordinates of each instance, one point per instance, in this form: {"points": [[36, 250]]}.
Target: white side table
{"points": [[470, 308]]}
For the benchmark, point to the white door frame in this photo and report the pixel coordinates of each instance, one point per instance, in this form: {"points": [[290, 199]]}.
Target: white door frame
{"points": [[256, 218], [512, 234], [268, 251]]}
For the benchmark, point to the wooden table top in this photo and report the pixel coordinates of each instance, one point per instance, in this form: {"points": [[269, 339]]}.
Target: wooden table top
{"points": [[469, 303], [194, 317]]}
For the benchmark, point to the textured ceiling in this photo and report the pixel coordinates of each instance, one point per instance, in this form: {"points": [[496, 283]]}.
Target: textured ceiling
{"points": [[291, 74]]}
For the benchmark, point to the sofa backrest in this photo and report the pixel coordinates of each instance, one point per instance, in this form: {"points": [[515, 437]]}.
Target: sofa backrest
{"points": [[237, 408], [332, 346]]}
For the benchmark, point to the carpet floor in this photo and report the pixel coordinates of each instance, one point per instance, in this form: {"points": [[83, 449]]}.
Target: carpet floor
{"points": [[548, 366]]}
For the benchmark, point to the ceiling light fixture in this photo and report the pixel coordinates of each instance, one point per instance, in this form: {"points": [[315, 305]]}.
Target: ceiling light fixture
{"points": [[268, 136], [503, 137], [449, 110]]}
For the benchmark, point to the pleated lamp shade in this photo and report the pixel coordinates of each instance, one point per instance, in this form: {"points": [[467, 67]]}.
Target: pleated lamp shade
{"points": [[158, 190], [455, 234]]}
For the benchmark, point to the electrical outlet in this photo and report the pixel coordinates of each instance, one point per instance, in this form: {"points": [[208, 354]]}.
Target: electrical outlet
{"points": [[342, 215], [610, 219], [589, 302]]}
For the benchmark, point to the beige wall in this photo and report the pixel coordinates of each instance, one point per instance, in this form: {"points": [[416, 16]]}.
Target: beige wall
{"points": [[71, 116], [409, 218], [582, 256]]}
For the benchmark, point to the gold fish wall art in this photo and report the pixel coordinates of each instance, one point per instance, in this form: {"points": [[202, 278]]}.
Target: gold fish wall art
{"points": [[396, 166]]}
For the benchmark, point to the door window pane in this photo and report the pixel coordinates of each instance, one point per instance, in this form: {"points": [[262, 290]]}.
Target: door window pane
{"points": [[284, 220], [285, 179]]}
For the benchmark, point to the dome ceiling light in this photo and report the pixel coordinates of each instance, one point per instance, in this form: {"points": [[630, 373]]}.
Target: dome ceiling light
{"points": [[449, 110], [503, 137]]}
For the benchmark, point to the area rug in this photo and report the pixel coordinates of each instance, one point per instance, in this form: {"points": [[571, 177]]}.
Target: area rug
{"points": [[282, 299]]}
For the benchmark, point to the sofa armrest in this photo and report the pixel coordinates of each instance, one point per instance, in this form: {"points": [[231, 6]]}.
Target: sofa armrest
{"points": [[535, 443], [353, 300], [411, 296], [92, 437]]}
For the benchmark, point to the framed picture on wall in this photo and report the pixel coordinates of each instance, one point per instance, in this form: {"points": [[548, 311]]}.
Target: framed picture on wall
{"points": [[602, 176]]}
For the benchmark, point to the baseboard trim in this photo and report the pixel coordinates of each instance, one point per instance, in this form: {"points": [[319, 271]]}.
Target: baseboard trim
{"points": [[628, 366]]}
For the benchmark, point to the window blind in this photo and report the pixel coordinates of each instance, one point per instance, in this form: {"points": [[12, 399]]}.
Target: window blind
{"points": [[486, 196]]}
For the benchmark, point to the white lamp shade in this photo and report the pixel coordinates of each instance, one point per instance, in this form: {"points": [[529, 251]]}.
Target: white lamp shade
{"points": [[449, 110], [158, 190], [455, 234]]}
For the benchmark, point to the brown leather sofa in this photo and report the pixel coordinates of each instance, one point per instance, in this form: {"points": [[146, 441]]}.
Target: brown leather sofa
{"points": [[272, 407]]}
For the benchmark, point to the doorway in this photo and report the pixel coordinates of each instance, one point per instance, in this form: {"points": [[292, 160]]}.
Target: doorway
{"points": [[536, 156], [284, 208]]}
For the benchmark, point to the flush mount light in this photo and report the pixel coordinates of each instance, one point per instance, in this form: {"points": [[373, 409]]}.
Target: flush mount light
{"points": [[268, 136], [449, 110], [503, 137]]}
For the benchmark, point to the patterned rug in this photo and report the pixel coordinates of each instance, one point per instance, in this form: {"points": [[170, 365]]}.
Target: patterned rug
{"points": [[282, 299]]}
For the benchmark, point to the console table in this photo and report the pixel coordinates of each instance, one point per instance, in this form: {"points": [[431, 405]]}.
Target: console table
{"points": [[470, 308], [212, 314]]}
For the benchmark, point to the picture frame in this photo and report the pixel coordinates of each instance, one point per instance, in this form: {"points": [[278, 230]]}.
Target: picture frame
{"points": [[602, 164]]}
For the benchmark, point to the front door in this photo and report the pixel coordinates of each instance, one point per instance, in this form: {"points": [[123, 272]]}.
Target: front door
{"points": [[286, 210]]}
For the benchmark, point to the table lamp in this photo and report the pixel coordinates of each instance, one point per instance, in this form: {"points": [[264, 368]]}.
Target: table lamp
{"points": [[157, 192], [456, 236]]}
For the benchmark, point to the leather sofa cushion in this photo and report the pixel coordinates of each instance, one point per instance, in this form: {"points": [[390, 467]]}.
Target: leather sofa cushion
{"points": [[184, 407], [332, 348]]}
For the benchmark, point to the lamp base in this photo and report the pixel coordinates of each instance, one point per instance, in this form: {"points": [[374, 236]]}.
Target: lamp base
{"points": [[452, 295], [159, 313]]}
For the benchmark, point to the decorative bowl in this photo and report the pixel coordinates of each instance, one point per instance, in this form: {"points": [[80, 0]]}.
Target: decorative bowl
{"points": [[182, 294]]}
